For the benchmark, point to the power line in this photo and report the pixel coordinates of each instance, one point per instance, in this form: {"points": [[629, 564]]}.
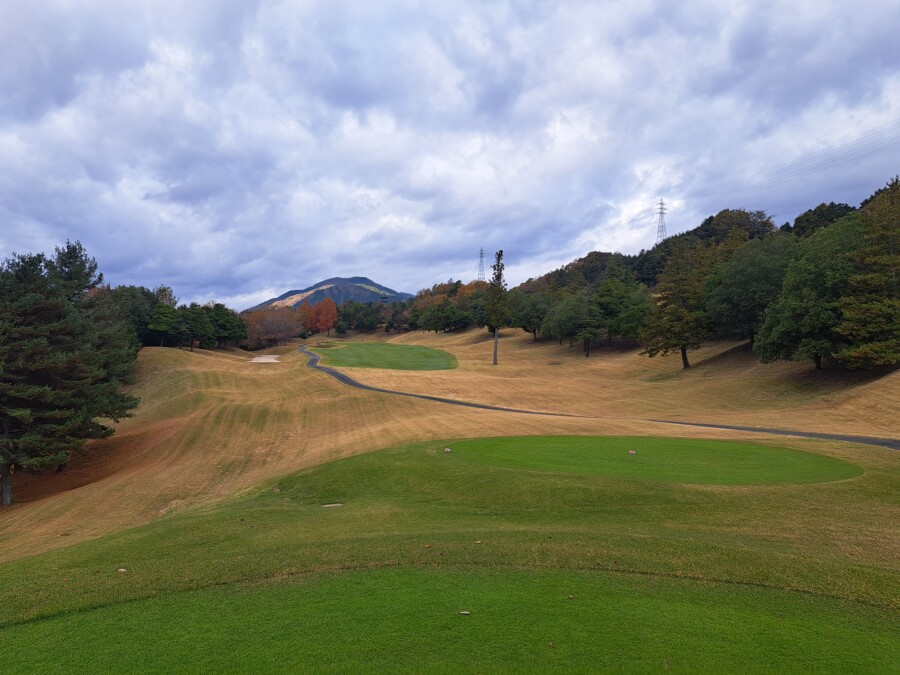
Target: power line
{"points": [[870, 143]]}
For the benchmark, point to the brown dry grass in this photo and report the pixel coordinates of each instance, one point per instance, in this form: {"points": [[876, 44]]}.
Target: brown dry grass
{"points": [[726, 385], [213, 424]]}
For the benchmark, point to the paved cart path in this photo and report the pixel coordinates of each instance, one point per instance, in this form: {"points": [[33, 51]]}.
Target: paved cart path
{"points": [[314, 360]]}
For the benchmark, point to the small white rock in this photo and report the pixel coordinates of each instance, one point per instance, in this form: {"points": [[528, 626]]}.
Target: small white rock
{"points": [[121, 569], [447, 450], [464, 613]]}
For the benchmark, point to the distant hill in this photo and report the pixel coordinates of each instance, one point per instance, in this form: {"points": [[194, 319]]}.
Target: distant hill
{"points": [[339, 289]]}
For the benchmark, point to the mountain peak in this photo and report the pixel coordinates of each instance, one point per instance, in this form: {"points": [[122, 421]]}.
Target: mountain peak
{"points": [[339, 289]]}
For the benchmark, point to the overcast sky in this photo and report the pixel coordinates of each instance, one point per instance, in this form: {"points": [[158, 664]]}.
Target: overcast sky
{"points": [[236, 150]]}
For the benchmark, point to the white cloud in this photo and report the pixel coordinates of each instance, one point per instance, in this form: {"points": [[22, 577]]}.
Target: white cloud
{"points": [[237, 150]]}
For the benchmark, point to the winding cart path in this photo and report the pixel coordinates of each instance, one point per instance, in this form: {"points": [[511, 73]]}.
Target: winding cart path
{"points": [[314, 362]]}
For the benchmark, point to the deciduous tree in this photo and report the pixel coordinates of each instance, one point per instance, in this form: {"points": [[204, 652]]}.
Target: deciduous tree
{"points": [[803, 321], [677, 320], [739, 289]]}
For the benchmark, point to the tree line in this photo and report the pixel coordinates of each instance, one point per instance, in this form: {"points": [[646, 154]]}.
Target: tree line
{"points": [[824, 288]]}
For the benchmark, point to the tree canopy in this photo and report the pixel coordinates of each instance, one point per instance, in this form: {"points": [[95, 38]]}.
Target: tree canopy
{"points": [[65, 348]]}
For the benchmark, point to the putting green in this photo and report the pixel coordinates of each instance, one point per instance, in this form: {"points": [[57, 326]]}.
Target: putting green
{"points": [[674, 460], [388, 356]]}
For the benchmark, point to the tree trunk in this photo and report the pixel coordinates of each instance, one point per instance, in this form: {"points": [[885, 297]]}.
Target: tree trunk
{"points": [[535, 334], [6, 484], [496, 339], [818, 360], [609, 339], [162, 340], [684, 359], [587, 348]]}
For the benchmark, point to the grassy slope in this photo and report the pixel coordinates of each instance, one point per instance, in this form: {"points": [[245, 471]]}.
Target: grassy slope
{"points": [[766, 569], [212, 425], [385, 355], [726, 385]]}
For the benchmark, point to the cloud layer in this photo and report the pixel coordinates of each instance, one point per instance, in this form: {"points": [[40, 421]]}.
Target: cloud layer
{"points": [[234, 150]]}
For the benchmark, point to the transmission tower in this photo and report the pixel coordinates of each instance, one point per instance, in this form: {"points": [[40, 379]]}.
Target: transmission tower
{"points": [[481, 264], [661, 228]]}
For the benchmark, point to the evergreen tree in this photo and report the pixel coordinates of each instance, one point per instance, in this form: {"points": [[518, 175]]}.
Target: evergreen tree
{"points": [[163, 321], [194, 327], [64, 349], [496, 311], [871, 305], [138, 304], [228, 326]]}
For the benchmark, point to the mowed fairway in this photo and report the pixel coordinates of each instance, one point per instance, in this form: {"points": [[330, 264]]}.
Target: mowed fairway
{"points": [[266, 517], [385, 355]]}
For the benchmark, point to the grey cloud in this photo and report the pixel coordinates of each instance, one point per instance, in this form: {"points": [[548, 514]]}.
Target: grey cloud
{"points": [[229, 148]]}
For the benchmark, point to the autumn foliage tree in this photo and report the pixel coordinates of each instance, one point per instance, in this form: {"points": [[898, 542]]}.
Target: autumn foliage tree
{"points": [[271, 327], [320, 317]]}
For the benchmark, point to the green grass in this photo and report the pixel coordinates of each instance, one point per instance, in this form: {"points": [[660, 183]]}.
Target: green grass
{"points": [[679, 460], [388, 356], [409, 621], [662, 573]]}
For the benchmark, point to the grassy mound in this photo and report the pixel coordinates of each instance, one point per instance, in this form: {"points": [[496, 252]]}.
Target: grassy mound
{"points": [[410, 621], [387, 356], [678, 460], [766, 576]]}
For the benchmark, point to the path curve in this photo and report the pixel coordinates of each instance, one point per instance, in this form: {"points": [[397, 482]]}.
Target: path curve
{"points": [[314, 359], [350, 382]]}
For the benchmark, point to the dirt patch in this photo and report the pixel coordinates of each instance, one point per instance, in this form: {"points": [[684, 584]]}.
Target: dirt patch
{"points": [[99, 460]]}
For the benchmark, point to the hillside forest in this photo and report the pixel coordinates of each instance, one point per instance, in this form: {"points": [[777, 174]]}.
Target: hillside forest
{"points": [[823, 289]]}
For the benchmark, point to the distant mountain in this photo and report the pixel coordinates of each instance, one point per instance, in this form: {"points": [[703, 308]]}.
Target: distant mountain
{"points": [[339, 289]]}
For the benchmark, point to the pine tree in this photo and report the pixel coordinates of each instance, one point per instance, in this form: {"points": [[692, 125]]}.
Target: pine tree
{"points": [[64, 349], [496, 310]]}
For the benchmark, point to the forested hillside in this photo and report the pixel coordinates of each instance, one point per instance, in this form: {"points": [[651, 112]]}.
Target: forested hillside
{"points": [[823, 289]]}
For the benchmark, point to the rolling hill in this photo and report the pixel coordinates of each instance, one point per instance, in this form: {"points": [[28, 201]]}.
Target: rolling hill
{"points": [[339, 289]]}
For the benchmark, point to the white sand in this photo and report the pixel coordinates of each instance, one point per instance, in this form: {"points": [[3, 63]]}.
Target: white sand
{"points": [[265, 358]]}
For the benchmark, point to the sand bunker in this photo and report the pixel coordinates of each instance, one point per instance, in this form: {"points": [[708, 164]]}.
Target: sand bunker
{"points": [[265, 358]]}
